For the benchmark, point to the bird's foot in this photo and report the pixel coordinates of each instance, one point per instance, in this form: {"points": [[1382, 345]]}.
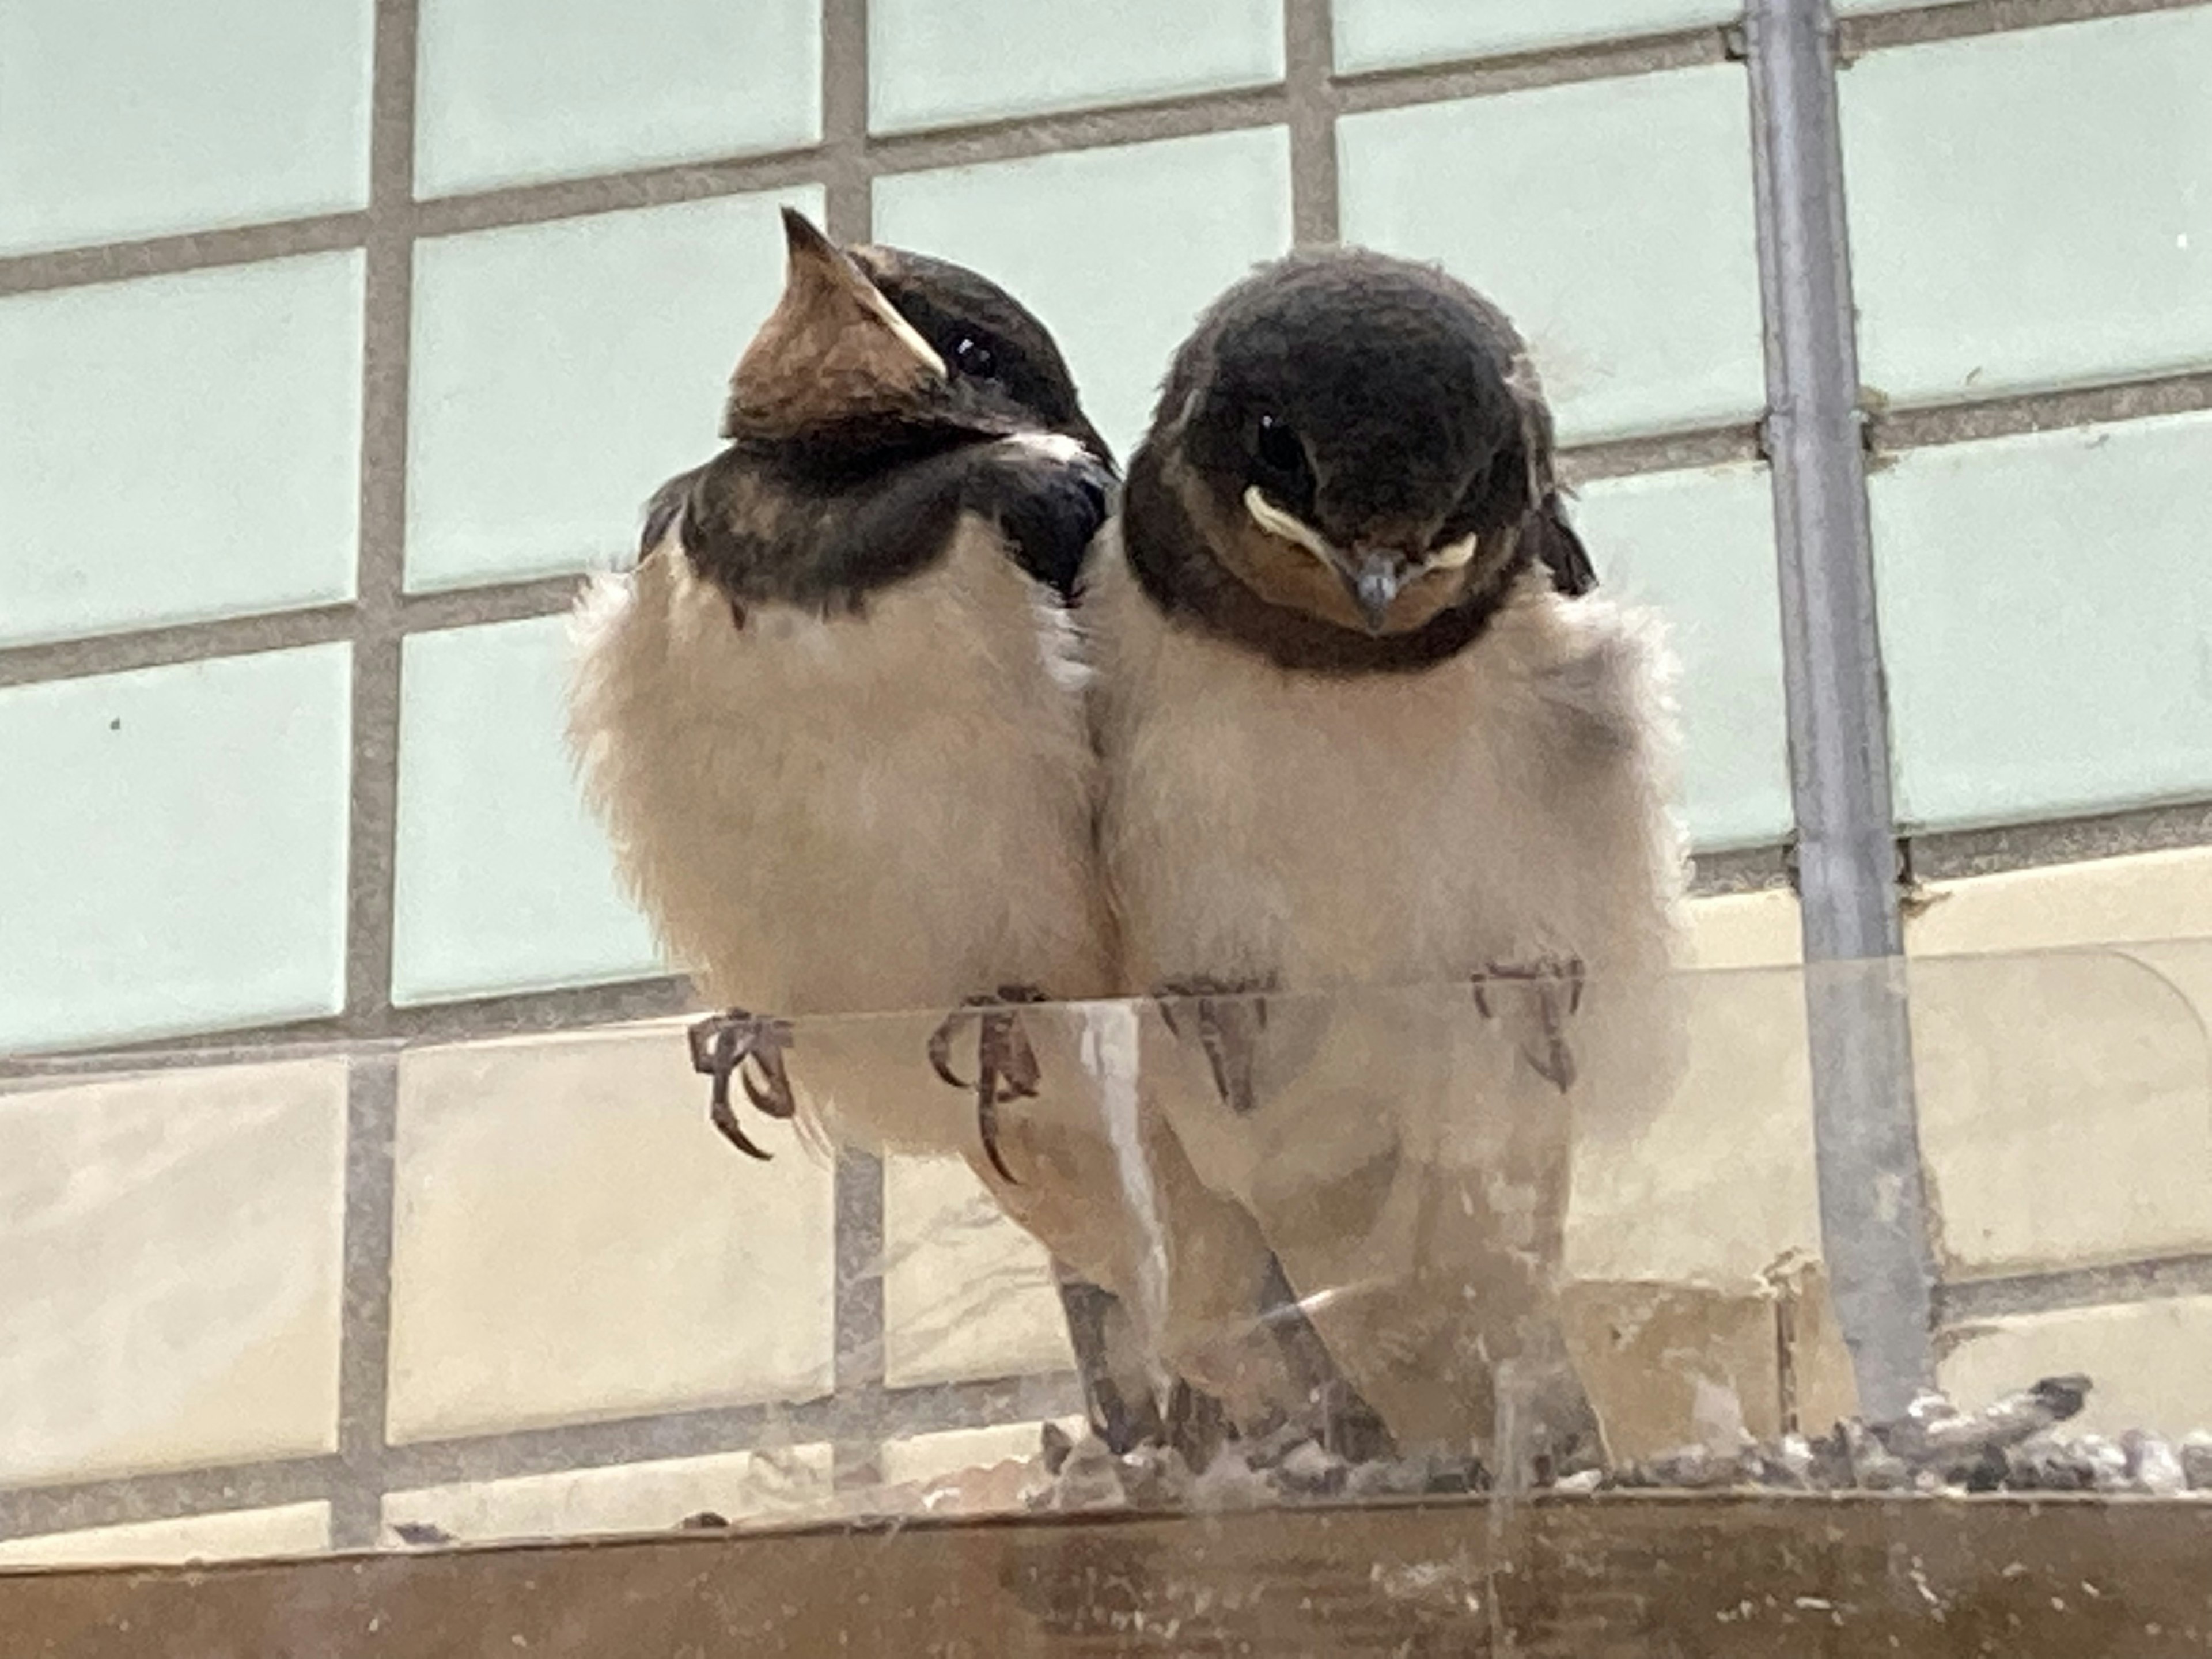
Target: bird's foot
{"points": [[1555, 993], [1196, 1426], [1116, 1397], [1334, 1413], [1006, 1065], [1350, 1428], [1227, 1020], [722, 1046]]}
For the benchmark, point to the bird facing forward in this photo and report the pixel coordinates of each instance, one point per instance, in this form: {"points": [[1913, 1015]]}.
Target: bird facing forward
{"points": [[1366, 731]]}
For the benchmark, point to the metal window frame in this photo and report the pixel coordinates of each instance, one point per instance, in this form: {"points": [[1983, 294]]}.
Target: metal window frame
{"points": [[1846, 846]]}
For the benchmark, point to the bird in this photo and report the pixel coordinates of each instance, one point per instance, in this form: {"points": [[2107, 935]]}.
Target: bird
{"points": [[833, 723], [1386, 826]]}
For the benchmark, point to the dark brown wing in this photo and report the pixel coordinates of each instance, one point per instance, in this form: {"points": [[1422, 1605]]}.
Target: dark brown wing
{"points": [[1559, 550]]}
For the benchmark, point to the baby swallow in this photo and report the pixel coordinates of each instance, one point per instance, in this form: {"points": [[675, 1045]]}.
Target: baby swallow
{"points": [[1368, 732], [832, 719]]}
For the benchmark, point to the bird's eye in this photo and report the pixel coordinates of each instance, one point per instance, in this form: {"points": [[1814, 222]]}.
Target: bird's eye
{"points": [[973, 359], [1282, 458]]}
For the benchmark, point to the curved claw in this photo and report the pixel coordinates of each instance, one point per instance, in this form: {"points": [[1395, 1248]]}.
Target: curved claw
{"points": [[940, 1051], [1556, 1065], [987, 1129], [772, 1098], [1005, 1069], [1228, 1021], [1015, 1061], [1006, 1065], [719, 1114], [1556, 987], [721, 1045]]}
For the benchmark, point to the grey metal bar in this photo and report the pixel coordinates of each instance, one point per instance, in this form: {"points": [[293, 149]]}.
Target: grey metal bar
{"points": [[1833, 660], [1873, 1205]]}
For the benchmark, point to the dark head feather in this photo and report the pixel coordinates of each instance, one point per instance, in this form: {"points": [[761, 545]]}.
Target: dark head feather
{"points": [[1349, 465]]}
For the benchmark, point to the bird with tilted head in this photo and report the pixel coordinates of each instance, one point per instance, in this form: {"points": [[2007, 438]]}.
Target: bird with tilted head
{"points": [[1385, 822], [833, 722]]}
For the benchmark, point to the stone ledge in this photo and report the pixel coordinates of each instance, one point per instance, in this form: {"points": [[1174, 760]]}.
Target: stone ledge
{"points": [[1724, 1578]]}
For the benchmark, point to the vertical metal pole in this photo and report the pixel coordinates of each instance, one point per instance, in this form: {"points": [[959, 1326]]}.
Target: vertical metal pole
{"points": [[1874, 1218]]}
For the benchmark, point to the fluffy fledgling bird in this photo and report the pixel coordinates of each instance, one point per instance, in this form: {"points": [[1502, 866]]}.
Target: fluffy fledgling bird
{"points": [[1367, 731], [833, 722]]}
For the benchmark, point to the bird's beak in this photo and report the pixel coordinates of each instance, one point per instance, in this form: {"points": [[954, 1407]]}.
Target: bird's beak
{"points": [[833, 347], [1375, 580]]}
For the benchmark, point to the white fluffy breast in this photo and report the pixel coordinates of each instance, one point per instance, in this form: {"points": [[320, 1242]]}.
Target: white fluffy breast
{"points": [[1384, 828], [886, 810], [1507, 804], [1387, 838]]}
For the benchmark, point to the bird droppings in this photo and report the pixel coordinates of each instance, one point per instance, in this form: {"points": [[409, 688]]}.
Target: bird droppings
{"points": [[2013, 1445]]}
